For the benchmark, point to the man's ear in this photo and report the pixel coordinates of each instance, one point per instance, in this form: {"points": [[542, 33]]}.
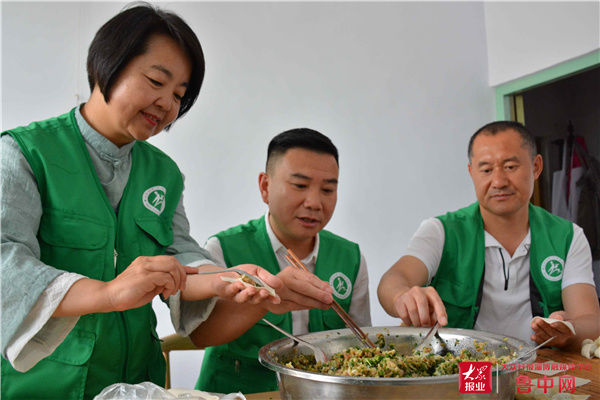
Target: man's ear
{"points": [[538, 166], [263, 186]]}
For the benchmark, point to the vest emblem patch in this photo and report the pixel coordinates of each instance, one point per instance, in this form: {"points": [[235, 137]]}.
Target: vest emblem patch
{"points": [[154, 199], [341, 285], [552, 268]]}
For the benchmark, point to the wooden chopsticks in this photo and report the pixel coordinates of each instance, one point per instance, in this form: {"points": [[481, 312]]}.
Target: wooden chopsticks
{"points": [[361, 336]]}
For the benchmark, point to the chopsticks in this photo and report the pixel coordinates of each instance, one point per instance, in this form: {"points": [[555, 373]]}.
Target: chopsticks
{"points": [[360, 335]]}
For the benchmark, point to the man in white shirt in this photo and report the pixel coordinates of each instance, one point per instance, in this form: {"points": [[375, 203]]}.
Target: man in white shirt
{"points": [[499, 262], [300, 188]]}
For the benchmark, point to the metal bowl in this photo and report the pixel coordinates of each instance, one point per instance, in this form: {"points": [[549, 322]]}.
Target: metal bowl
{"points": [[297, 384]]}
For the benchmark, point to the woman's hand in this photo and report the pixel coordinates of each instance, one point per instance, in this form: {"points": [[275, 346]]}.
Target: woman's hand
{"points": [[143, 279], [240, 293]]}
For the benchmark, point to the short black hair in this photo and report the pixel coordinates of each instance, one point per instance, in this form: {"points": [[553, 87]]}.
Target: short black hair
{"points": [[500, 126], [125, 36], [303, 138]]}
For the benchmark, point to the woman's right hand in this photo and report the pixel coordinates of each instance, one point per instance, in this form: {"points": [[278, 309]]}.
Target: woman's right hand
{"points": [[145, 278]]}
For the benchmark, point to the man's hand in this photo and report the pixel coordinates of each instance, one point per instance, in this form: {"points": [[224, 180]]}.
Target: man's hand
{"points": [[143, 279], [420, 306], [544, 331], [301, 290], [240, 293]]}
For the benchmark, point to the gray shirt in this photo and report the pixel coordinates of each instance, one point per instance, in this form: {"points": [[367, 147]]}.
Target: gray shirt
{"points": [[39, 334]]}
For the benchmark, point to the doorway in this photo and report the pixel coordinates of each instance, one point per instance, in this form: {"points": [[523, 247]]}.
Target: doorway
{"points": [[558, 105], [555, 111]]}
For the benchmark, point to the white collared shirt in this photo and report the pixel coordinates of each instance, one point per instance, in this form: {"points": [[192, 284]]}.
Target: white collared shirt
{"points": [[359, 305], [505, 312]]}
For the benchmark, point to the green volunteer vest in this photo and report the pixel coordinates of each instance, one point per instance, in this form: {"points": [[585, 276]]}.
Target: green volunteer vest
{"points": [[234, 366], [79, 232], [459, 279]]}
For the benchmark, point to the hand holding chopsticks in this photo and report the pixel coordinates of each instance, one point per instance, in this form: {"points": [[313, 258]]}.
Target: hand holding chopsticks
{"points": [[361, 336]]}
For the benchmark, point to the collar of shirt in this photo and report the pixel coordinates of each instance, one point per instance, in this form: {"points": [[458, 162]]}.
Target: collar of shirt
{"points": [[522, 249], [106, 149], [280, 250]]}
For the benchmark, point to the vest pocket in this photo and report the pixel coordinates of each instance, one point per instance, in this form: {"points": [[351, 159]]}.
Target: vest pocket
{"points": [[226, 372], [72, 243], [61, 375], [64, 230], [158, 232]]}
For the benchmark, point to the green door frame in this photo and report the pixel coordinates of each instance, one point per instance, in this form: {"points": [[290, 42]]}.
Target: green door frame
{"points": [[562, 70]]}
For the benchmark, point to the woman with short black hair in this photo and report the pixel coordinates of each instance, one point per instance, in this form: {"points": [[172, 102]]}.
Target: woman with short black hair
{"points": [[93, 224], [125, 37]]}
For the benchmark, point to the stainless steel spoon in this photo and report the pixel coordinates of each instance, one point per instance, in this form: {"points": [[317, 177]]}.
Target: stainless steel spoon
{"points": [[319, 354], [421, 346], [433, 332], [527, 353]]}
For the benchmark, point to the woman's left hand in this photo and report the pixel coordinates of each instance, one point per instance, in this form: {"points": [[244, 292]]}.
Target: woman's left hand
{"points": [[240, 293]]}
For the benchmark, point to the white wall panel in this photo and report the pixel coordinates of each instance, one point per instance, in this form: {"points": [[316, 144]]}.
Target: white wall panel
{"points": [[525, 37]]}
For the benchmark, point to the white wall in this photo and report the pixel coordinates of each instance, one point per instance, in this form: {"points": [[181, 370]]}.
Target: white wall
{"points": [[526, 37], [399, 87]]}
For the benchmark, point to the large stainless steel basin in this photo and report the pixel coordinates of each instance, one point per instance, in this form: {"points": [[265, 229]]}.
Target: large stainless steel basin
{"points": [[297, 384]]}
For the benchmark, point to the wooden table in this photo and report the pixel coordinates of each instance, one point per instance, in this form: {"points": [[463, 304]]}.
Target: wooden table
{"points": [[263, 396], [593, 374]]}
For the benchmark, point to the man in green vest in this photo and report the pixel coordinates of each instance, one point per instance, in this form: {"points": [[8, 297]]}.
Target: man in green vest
{"points": [[300, 189], [496, 264]]}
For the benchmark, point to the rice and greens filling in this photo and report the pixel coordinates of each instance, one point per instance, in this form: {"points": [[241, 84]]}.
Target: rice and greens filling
{"points": [[379, 362]]}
